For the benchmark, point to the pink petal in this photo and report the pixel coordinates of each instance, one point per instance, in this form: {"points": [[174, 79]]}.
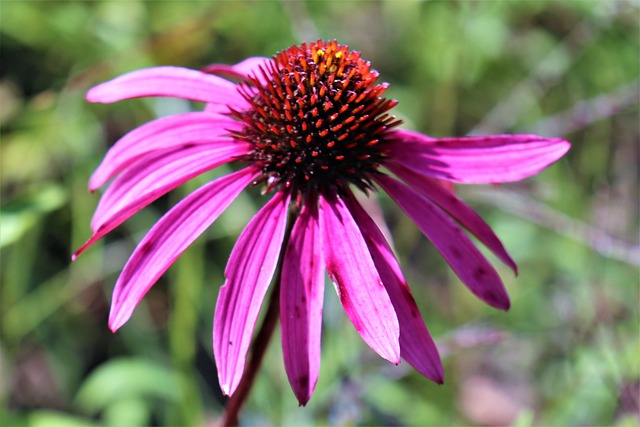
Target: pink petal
{"points": [[171, 236], [249, 272], [454, 245], [250, 67], [301, 300], [457, 209], [163, 133], [151, 178], [358, 284], [416, 345], [477, 159], [168, 81]]}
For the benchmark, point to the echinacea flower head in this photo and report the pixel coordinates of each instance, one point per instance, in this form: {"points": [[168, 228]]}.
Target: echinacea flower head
{"points": [[309, 126]]}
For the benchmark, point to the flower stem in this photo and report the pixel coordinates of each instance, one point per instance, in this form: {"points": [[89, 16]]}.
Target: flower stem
{"points": [[261, 342]]}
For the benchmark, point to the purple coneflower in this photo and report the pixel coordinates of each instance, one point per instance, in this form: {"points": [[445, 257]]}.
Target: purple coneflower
{"points": [[309, 125]]}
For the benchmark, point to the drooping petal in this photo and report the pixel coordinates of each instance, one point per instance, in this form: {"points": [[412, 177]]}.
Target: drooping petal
{"points": [[476, 159], [358, 284], [148, 179], [301, 301], [171, 236], [457, 209], [168, 81], [416, 345], [250, 67], [455, 246], [249, 271], [163, 133], [151, 177]]}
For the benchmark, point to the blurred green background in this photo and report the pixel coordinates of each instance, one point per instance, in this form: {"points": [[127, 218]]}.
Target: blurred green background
{"points": [[567, 353]]}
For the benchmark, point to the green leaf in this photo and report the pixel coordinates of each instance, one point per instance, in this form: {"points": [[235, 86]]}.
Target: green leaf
{"points": [[57, 419], [21, 214], [125, 379]]}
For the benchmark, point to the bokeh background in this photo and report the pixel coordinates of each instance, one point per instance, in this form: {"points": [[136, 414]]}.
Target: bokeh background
{"points": [[568, 351]]}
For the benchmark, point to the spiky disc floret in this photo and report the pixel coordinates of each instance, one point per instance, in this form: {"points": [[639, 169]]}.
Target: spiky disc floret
{"points": [[319, 122]]}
